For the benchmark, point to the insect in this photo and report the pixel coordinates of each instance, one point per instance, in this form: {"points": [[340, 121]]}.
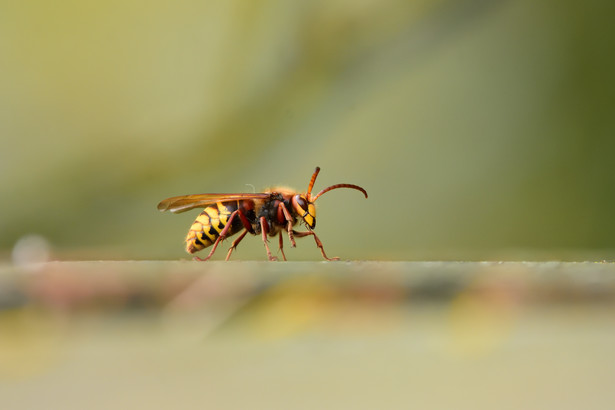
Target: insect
{"points": [[269, 213]]}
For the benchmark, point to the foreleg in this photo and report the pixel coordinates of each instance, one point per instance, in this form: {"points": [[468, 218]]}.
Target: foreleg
{"points": [[318, 243], [289, 224]]}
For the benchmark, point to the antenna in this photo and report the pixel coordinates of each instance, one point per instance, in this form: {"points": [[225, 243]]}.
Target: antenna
{"points": [[358, 188], [311, 185]]}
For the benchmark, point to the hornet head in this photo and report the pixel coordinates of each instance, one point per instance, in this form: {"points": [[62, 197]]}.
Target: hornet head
{"points": [[303, 204]]}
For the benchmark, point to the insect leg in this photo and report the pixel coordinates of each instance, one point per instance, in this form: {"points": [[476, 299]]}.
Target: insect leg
{"points": [[220, 237], [289, 224], [318, 243], [282, 245], [235, 243], [265, 231]]}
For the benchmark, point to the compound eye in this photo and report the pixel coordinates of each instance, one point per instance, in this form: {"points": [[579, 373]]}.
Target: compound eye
{"points": [[305, 209], [302, 202]]}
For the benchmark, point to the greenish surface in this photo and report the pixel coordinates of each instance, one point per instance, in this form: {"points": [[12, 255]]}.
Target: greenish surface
{"points": [[481, 129], [346, 335]]}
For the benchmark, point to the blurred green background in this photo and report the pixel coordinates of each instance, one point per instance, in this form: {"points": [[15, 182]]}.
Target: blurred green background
{"points": [[480, 129]]}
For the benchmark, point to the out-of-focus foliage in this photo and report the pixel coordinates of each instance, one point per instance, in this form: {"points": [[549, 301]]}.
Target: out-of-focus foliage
{"points": [[476, 126]]}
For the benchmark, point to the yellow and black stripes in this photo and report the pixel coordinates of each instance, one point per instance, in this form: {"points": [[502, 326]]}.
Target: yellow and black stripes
{"points": [[208, 225]]}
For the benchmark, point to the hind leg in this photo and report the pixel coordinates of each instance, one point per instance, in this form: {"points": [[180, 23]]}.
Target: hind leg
{"points": [[235, 243], [221, 237]]}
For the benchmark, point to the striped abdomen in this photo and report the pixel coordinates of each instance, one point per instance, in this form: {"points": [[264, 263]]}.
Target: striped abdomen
{"points": [[208, 225]]}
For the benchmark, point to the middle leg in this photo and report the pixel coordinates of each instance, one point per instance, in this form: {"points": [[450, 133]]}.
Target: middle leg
{"points": [[265, 231], [282, 245]]}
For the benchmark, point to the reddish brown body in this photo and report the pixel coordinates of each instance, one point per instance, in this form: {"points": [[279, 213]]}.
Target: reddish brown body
{"points": [[269, 213]]}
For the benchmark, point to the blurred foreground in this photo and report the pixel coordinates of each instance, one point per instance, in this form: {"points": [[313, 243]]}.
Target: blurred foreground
{"points": [[156, 335]]}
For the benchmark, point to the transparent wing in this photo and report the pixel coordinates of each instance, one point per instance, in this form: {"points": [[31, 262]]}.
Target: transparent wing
{"points": [[183, 203]]}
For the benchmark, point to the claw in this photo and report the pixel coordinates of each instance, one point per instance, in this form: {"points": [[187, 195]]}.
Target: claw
{"points": [[196, 258]]}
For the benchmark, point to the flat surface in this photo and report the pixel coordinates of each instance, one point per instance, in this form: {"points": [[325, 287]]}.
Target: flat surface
{"points": [[174, 334]]}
